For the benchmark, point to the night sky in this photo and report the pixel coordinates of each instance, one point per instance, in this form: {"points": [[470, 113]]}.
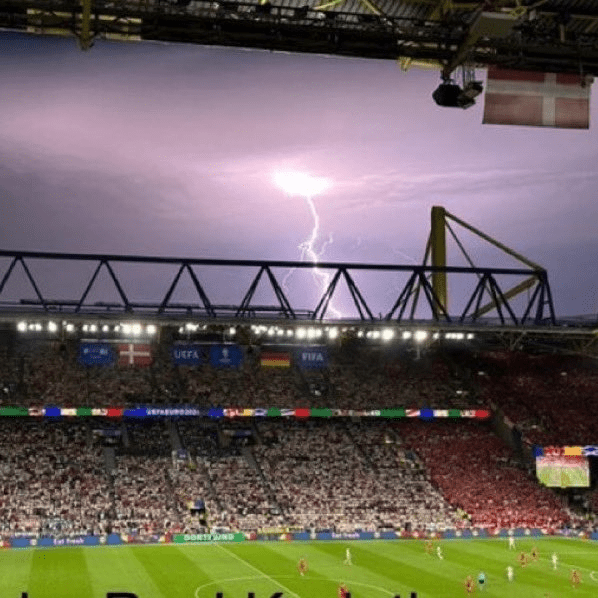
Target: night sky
{"points": [[163, 149]]}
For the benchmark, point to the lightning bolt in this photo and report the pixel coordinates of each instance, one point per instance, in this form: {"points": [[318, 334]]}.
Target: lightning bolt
{"points": [[308, 251]]}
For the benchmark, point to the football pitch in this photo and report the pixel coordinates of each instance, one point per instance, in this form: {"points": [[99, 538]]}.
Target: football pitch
{"points": [[379, 569]]}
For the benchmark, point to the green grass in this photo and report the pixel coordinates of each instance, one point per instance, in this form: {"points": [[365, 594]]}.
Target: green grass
{"points": [[380, 569]]}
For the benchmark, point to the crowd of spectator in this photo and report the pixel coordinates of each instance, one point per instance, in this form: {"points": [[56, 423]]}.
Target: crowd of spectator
{"points": [[341, 474], [552, 399], [475, 472]]}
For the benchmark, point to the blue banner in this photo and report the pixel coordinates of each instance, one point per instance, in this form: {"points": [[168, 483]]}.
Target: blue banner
{"points": [[226, 356], [96, 354], [313, 357], [188, 354]]}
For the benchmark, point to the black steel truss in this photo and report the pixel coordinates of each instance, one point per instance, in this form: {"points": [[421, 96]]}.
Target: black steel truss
{"points": [[538, 309], [556, 35]]}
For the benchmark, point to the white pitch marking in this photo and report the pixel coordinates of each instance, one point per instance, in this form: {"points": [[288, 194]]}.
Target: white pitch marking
{"points": [[353, 583], [592, 576], [256, 569]]}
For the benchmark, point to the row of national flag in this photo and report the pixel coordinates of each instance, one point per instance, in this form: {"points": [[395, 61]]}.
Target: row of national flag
{"points": [[140, 355], [142, 411]]}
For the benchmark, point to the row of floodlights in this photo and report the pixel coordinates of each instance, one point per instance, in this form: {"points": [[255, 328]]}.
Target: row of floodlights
{"points": [[127, 329], [301, 333], [332, 332]]}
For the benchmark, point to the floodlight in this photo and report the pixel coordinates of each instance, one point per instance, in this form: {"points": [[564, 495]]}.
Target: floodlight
{"points": [[387, 334], [360, 334], [85, 328], [301, 333], [332, 332], [93, 328], [271, 332], [406, 335], [151, 329], [280, 332], [136, 329], [117, 328], [470, 336], [105, 328], [289, 333], [52, 327], [70, 328], [38, 327], [126, 329], [22, 326], [421, 335]]}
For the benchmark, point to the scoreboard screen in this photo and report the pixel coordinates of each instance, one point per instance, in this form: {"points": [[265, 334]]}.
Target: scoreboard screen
{"points": [[562, 471]]}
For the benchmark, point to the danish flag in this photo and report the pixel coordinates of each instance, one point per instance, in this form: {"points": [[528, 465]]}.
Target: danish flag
{"points": [[537, 99], [135, 354]]}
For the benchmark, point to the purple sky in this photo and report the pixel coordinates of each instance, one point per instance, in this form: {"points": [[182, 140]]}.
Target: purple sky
{"points": [[170, 150]]}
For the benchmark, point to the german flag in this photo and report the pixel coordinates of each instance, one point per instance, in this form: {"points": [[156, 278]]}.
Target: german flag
{"points": [[276, 360]]}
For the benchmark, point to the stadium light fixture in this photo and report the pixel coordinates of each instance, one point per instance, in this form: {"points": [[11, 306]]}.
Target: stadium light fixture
{"points": [[70, 328], [271, 331], [105, 328], [289, 333], [126, 328], [22, 326], [136, 329], [406, 335], [376, 334], [332, 333], [38, 327], [232, 331], [151, 329], [93, 328], [52, 327], [420, 335], [387, 334], [301, 333], [85, 327], [470, 336], [117, 328]]}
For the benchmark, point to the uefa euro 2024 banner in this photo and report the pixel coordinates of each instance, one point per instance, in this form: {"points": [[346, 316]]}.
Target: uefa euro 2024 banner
{"points": [[313, 357], [226, 356], [96, 354]]}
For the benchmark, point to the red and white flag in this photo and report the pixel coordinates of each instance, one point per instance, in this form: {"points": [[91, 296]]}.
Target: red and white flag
{"points": [[537, 99], [135, 354]]}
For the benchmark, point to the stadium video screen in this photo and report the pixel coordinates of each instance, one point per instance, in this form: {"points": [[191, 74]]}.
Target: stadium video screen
{"points": [[563, 471]]}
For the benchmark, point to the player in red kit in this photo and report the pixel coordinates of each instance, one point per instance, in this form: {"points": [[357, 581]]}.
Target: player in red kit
{"points": [[342, 591], [302, 566]]}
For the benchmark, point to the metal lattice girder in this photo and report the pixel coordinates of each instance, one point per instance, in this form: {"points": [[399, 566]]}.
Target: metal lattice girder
{"points": [[444, 32], [417, 291]]}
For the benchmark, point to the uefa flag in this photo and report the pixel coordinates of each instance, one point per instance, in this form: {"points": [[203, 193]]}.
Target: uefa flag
{"points": [[537, 99]]}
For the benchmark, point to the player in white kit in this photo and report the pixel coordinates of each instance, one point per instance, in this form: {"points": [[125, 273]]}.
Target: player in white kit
{"points": [[347, 560]]}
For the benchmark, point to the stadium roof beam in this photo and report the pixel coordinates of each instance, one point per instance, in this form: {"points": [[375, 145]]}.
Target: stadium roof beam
{"points": [[438, 31], [418, 292]]}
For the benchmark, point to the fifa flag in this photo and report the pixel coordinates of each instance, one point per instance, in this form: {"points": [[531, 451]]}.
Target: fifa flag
{"points": [[134, 354], [537, 99], [279, 360]]}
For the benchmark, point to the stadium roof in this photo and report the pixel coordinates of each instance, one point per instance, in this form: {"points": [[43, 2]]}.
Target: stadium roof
{"points": [[542, 35]]}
